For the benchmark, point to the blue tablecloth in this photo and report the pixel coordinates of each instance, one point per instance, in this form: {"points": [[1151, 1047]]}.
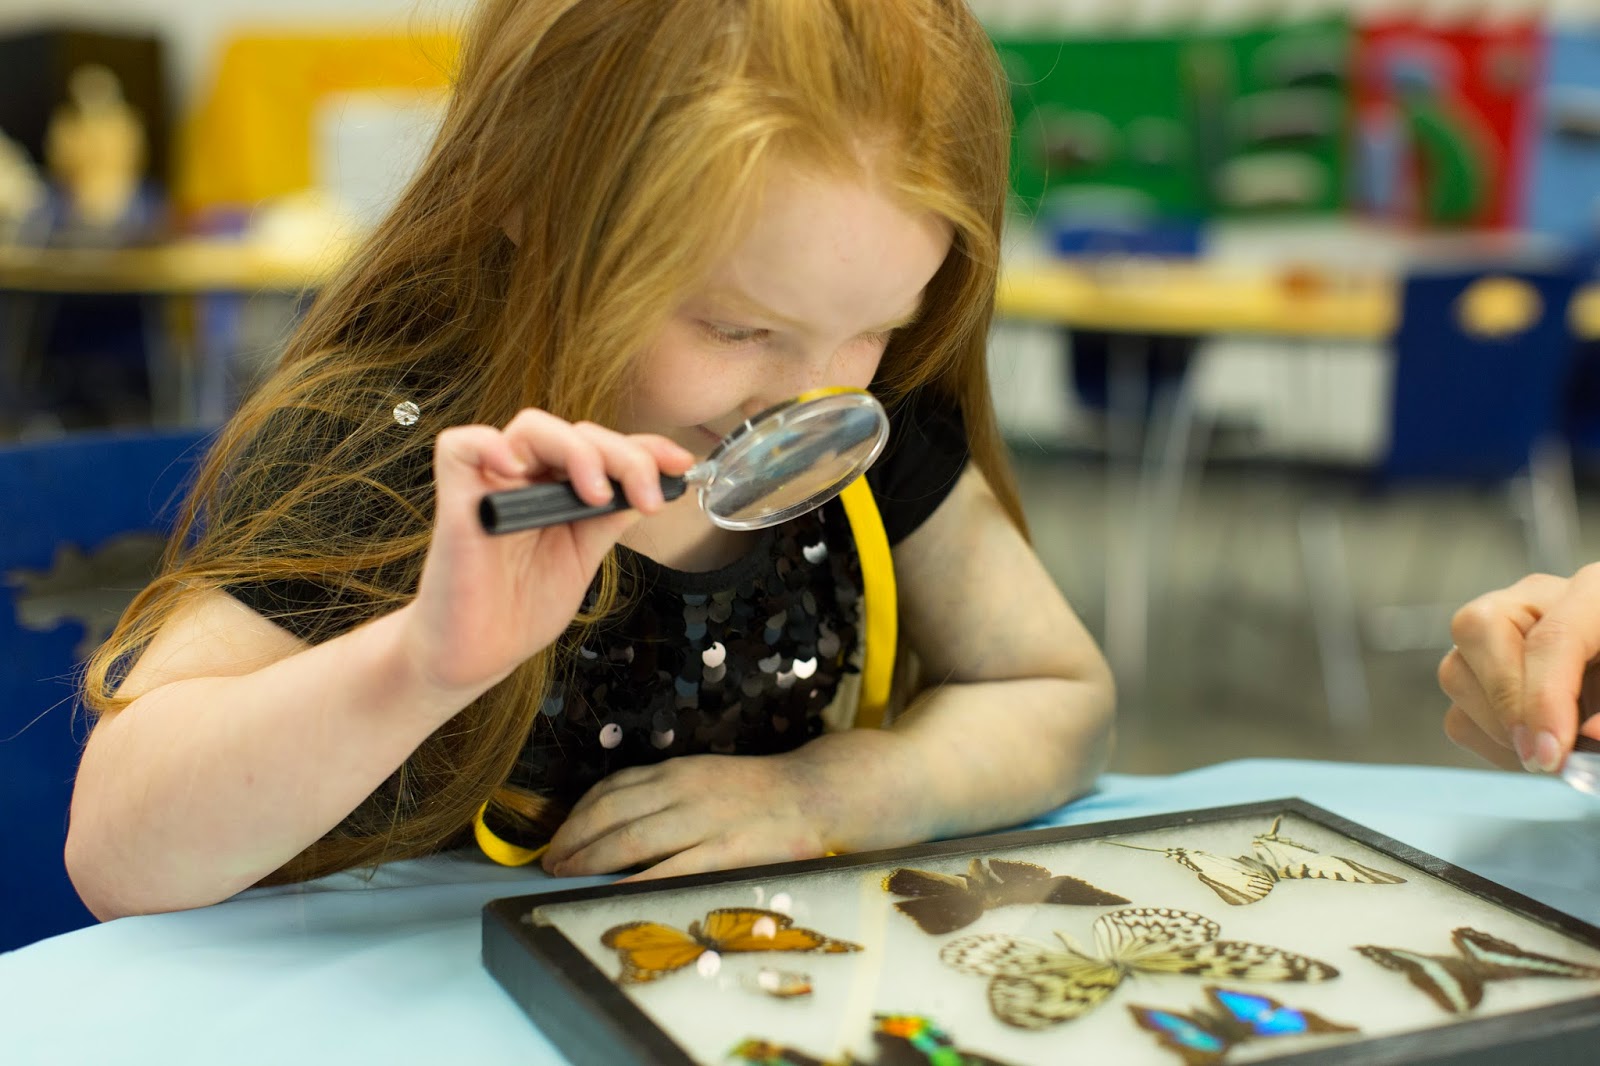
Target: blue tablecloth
{"points": [[387, 969]]}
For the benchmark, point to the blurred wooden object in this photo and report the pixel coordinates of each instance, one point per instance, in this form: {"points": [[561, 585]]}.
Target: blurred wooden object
{"points": [[22, 192], [96, 151]]}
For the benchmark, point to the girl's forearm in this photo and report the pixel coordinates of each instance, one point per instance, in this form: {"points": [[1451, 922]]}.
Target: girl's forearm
{"points": [[201, 787], [963, 759]]}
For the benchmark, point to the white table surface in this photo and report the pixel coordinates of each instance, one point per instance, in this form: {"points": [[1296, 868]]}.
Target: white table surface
{"points": [[388, 970]]}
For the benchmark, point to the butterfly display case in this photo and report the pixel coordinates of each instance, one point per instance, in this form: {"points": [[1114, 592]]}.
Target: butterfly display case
{"points": [[1261, 933]]}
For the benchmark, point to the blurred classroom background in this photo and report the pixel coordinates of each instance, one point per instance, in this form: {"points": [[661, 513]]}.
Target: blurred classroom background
{"points": [[1298, 343]]}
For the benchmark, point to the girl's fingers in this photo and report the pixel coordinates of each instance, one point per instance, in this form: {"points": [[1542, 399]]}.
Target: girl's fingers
{"points": [[1560, 648], [645, 840], [479, 448], [1489, 635], [1465, 732], [551, 445], [606, 808], [1457, 681], [629, 461]]}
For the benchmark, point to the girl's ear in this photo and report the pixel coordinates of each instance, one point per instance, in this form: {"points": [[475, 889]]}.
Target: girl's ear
{"points": [[512, 224]]}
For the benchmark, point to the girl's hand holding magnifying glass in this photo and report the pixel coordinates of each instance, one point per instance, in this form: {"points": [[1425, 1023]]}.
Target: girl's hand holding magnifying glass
{"points": [[485, 604]]}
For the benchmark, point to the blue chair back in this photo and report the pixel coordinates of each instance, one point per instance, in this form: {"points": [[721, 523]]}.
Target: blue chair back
{"points": [[1482, 362], [86, 517]]}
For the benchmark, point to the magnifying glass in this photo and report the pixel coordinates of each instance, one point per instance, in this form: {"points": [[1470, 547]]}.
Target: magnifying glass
{"points": [[789, 459]]}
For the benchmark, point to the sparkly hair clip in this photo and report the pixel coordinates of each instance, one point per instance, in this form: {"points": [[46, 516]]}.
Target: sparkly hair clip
{"points": [[406, 413]]}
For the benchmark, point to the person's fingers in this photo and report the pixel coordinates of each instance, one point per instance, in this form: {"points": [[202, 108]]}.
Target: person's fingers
{"points": [[671, 457], [1465, 732], [554, 446], [1489, 634], [482, 448], [629, 462], [645, 840], [605, 808], [1460, 684], [735, 849], [1559, 650]]}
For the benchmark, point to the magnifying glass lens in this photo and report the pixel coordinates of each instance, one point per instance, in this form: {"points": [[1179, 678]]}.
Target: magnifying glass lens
{"points": [[790, 459]]}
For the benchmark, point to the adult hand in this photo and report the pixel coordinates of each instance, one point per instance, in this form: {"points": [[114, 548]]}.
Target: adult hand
{"points": [[691, 814], [1522, 677], [488, 602]]}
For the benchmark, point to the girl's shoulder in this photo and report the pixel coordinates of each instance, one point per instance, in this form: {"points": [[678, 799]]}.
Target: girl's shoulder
{"points": [[926, 452]]}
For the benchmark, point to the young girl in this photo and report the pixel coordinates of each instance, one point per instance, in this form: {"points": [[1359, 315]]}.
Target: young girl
{"points": [[643, 221]]}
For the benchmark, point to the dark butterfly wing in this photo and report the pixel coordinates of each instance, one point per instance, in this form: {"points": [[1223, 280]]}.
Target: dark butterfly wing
{"points": [[913, 1040], [908, 882], [1451, 982], [1264, 1016], [1023, 882], [1196, 1039], [939, 903], [1494, 959], [1070, 890], [942, 914]]}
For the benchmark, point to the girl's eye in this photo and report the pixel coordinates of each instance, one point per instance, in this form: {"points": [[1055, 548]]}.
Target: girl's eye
{"points": [[733, 334]]}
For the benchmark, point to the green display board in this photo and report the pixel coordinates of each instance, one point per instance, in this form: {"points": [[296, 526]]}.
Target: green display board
{"points": [[1182, 125]]}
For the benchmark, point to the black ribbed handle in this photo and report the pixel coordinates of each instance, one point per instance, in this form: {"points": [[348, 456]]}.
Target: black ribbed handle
{"points": [[554, 503]]}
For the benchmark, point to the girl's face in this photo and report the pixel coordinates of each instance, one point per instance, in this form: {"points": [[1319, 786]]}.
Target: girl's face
{"points": [[829, 269]]}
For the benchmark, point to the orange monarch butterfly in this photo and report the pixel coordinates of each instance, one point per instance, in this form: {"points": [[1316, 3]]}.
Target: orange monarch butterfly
{"points": [[650, 950], [1034, 986], [943, 903], [1455, 982], [1247, 879]]}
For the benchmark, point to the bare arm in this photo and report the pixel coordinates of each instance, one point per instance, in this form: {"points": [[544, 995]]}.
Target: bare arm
{"points": [[1019, 718], [241, 747]]}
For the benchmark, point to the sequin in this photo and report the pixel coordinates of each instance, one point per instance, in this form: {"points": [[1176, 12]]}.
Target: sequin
{"points": [[406, 413], [552, 704], [815, 553], [752, 677]]}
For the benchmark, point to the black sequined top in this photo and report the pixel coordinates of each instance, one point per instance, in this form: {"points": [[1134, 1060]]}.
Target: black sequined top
{"points": [[739, 660]]}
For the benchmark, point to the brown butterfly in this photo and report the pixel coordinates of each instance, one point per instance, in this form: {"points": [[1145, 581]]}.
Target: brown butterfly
{"points": [[1455, 982], [650, 950], [943, 903]]}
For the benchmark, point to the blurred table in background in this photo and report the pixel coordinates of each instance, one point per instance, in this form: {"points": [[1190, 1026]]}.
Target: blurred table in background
{"points": [[194, 292], [1194, 297], [197, 287]]}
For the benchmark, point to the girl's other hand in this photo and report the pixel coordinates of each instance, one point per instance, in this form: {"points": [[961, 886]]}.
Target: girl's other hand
{"points": [[1522, 678], [488, 602], [691, 814]]}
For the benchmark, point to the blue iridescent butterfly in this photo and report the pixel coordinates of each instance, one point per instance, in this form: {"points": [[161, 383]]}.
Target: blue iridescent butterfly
{"points": [[1229, 1019]]}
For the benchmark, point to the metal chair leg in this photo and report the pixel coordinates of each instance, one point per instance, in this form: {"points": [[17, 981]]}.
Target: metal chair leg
{"points": [[1333, 613]]}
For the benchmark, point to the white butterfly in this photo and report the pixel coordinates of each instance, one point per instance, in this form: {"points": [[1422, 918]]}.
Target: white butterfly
{"points": [[1034, 985], [1455, 982], [1247, 879]]}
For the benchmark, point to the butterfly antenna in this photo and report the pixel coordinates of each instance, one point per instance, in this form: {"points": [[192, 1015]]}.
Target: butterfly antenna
{"points": [[1137, 847]]}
